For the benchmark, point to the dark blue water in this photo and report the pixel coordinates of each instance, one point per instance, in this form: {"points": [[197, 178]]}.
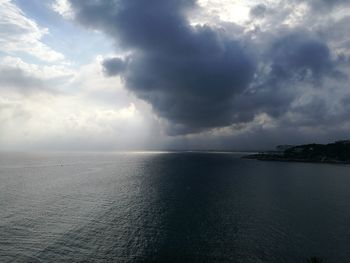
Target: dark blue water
{"points": [[171, 207]]}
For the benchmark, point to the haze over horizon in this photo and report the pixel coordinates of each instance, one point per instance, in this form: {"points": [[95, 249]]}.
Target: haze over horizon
{"points": [[175, 74]]}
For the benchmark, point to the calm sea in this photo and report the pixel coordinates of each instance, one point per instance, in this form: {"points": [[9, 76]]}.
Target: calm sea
{"points": [[171, 207]]}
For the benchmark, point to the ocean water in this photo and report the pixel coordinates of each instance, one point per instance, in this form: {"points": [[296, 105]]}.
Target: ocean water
{"points": [[171, 207]]}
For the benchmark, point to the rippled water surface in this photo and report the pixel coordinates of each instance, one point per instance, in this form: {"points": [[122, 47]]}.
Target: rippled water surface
{"points": [[171, 207]]}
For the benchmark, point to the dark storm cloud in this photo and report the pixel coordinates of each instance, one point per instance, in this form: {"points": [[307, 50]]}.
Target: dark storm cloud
{"points": [[291, 61], [299, 53], [194, 91], [189, 75], [200, 77], [137, 23], [114, 66]]}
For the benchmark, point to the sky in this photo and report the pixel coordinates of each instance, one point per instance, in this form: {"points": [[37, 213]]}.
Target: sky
{"points": [[93, 75]]}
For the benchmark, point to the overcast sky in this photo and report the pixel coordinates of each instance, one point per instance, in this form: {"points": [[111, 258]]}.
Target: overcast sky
{"points": [[173, 74]]}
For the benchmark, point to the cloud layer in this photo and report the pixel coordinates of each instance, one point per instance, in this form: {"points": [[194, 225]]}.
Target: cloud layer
{"points": [[174, 74], [188, 74], [203, 77], [21, 34]]}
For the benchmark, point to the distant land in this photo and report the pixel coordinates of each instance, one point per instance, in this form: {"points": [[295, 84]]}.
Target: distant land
{"points": [[337, 152]]}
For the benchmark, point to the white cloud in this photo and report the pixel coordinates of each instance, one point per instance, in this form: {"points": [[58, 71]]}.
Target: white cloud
{"points": [[63, 8], [21, 34], [44, 72], [69, 121], [92, 113], [227, 10]]}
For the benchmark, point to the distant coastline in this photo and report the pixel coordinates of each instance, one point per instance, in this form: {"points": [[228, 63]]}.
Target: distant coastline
{"points": [[335, 153]]}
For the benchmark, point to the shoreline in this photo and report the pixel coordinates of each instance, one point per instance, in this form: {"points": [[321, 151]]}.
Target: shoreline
{"points": [[281, 158]]}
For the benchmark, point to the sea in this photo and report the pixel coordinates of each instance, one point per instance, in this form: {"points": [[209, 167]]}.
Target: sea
{"points": [[171, 207]]}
